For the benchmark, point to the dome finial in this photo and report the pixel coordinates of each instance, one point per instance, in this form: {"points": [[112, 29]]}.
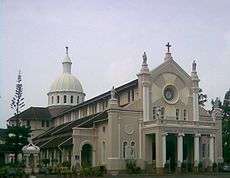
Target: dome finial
{"points": [[67, 50]]}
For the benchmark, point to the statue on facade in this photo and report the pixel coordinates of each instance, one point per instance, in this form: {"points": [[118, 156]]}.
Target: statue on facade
{"points": [[144, 58], [194, 66], [113, 93]]}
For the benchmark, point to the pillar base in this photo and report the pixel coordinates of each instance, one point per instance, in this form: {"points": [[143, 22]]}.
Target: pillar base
{"points": [[28, 170], [160, 171], [178, 170]]}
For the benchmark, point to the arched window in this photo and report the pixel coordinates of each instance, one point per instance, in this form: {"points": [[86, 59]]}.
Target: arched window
{"points": [[125, 146], [103, 153], [52, 99], [77, 99], [132, 150], [58, 99], [71, 99], [64, 98]]}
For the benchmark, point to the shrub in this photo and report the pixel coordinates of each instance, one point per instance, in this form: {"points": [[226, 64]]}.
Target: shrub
{"points": [[98, 171], [183, 167], [220, 166], [86, 171], [131, 167], [66, 164], [214, 167], [45, 161], [200, 166]]}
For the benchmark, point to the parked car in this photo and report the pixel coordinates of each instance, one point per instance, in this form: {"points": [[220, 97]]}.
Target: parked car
{"points": [[226, 167]]}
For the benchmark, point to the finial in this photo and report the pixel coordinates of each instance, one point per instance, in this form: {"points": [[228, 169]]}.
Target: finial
{"points": [[113, 92], [194, 66], [144, 56], [67, 50], [168, 47]]}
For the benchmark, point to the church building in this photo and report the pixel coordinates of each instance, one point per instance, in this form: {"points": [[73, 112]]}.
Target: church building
{"points": [[154, 119]]}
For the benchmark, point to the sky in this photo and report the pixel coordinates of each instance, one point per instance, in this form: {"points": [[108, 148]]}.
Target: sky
{"points": [[106, 39]]}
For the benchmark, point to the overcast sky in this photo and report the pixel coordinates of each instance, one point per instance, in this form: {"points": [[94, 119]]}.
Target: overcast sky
{"points": [[106, 40]]}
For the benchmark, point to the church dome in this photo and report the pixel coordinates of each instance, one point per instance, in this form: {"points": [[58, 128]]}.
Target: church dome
{"points": [[67, 89], [66, 82]]}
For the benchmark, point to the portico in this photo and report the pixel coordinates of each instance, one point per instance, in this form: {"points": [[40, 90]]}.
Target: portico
{"points": [[175, 145]]}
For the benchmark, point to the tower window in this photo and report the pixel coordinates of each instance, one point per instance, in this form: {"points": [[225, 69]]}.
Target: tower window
{"points": [[185, 114], [28, 123], [77, 99], [128, 96], [125, 145], [71, 99], [64, 98], [132, 94], [58, 99], [43, 123], [132, 150], [52, 99], [177, 114], [47, 123]]}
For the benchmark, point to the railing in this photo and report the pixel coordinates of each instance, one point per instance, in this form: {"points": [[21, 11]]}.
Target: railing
{"points": [[173, 121]]}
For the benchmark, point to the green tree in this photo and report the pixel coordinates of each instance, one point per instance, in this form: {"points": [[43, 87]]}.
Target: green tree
{"points": [[16, 134], [17, 102], [226, 126], [16, 137]]}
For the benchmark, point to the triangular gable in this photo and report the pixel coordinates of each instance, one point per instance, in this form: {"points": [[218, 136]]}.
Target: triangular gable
{"points": [[170, 66]]}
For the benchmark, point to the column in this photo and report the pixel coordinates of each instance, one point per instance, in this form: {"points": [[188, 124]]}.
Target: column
{"points": [[195, 105], [211, 149], [196, 149], [94, 158], [164, 148], [180, 149], [146, 101], [140, 138]]}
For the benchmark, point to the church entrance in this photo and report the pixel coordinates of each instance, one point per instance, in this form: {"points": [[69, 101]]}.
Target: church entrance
{"points": [[171, 151], [188, 150], [86, 155]]}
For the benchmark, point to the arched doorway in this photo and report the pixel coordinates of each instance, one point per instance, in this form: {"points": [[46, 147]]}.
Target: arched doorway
{"points": [[86, 155]]}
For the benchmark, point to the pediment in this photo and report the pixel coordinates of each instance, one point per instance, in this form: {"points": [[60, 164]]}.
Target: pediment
{"points": [[171, 67]]}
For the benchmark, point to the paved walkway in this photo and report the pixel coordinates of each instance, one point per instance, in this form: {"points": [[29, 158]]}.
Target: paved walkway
{"points": [[219, 175]]}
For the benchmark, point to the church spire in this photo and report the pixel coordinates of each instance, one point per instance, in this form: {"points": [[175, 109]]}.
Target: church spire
{"points": [[168, 54], [67, 62]]}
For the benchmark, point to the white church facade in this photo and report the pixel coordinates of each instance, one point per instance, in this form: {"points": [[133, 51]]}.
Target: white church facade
{"points": [[154, 119]]}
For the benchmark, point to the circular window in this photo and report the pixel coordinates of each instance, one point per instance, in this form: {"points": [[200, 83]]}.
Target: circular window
{"points": [[170, 94]]}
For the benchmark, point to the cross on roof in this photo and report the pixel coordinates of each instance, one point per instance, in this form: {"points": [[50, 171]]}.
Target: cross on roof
{"points": [[67, 50], [168, 47]]}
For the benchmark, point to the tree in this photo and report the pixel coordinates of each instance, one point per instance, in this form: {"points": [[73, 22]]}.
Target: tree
{"points": [[225, 106], [202, 98], [16, 137], [16, 134], [17, 103], [226, 126]]}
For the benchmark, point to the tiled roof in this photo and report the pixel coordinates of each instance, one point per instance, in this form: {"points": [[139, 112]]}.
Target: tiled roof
{"points": [[33, 113], [67, 127]]}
